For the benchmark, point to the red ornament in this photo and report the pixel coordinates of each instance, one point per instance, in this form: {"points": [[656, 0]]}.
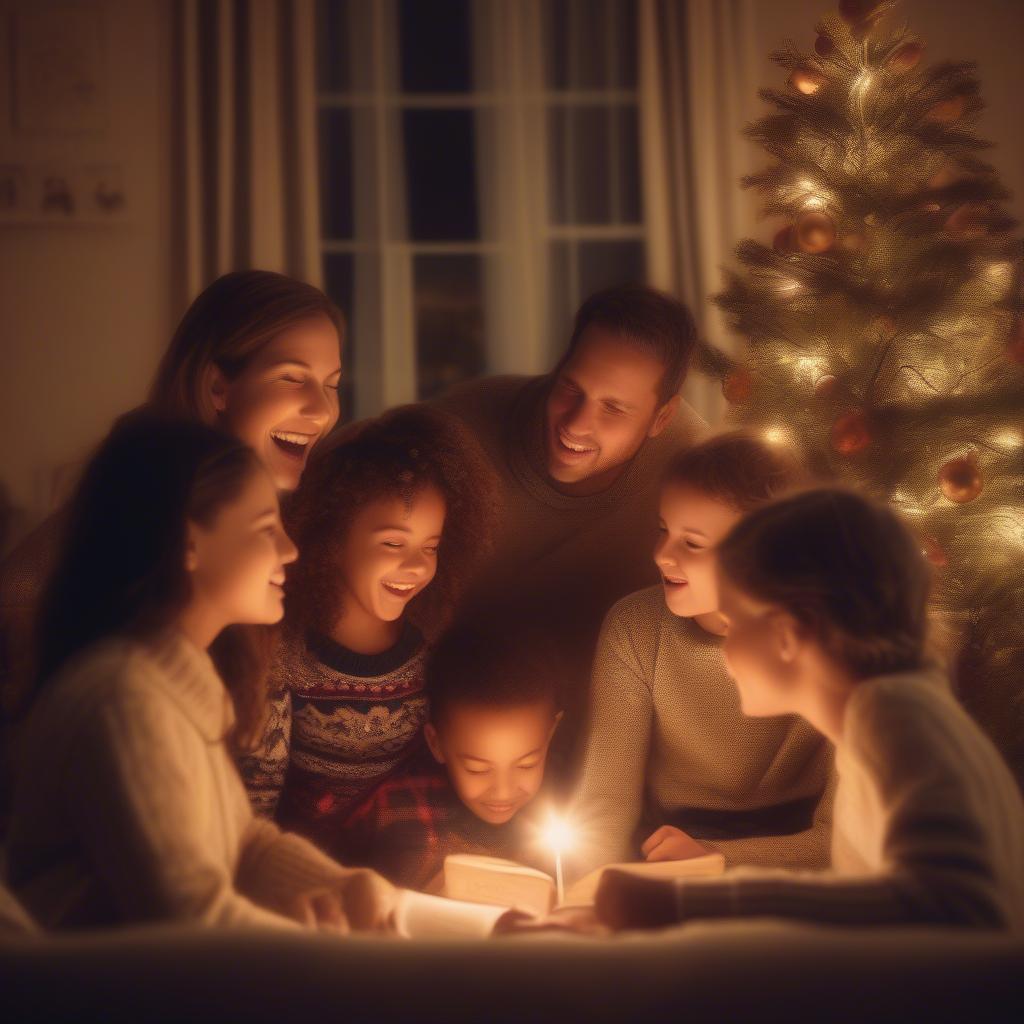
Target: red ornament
{"points": [[946, 111], [815, 231], [737, 387], [906, 57], [783, 240], [968, 221], [824, 45], [825, 385], [960, 479], [932, 550], [851, 433], [1015, 345], [806, 81]]}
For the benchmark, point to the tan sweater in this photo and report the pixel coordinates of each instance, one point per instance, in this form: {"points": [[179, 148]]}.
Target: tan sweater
{"points": [[128, 807], [667, 743], [929, 824], [562, 561]]}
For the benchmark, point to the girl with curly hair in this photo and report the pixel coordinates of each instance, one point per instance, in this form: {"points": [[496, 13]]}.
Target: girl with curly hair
{"points": [[391, 521]]}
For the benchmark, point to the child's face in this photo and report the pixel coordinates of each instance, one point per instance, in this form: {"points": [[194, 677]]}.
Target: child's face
{"points": [[285, 399], [390, 552], [690, 526], [236, 563], [495, 756], [760, 651]]}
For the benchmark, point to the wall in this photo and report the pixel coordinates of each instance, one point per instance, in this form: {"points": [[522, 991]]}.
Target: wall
{"points": [[84, 308]]}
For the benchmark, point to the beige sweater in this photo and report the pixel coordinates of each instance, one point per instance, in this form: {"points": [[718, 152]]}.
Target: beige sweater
{"points": [[128, 807], [562, 561], [929, 824], [667, 743]]}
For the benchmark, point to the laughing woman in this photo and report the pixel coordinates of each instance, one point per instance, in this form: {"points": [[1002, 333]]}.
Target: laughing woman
{"points": [[257, 354], [391, 521], [128, 806]]}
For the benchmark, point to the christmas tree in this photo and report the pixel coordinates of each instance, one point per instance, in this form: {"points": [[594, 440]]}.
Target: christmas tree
{"points": [[882, 326]]}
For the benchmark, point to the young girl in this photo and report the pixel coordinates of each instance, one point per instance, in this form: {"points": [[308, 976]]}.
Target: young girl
{"points": [[391, 521], [128, 807], [825, 594], [257, 354], [670, 758]]}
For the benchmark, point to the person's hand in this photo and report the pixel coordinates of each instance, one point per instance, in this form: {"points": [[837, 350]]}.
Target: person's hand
{"points": [[671, 843], [577, 920], [625, 900], [320, 908], [368, 901]]}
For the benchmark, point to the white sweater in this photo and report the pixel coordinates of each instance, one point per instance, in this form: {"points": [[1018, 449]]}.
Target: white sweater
{"points": [[128, 807], [928, 824]]}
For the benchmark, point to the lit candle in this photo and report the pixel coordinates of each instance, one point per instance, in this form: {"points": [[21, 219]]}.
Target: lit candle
{"points": [[558, 836]]}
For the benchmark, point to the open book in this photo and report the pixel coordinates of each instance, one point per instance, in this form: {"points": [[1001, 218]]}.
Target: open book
{"points": [[508, 884], [479, 890]]}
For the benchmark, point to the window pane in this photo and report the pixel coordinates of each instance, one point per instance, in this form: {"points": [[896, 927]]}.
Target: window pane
{"points": [[434, 40], [562, 298], [332, 38], [450, 344], [576, 44], [627, 152], [336, 174], [440, 174], [578, 146], [624, 55], [338, 284], [603, 264]]}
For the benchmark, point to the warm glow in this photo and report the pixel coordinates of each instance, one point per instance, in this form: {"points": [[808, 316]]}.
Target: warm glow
{"points": [[1008, 438], [789, 286], [777, 435], [862, 84], [558, 834]]}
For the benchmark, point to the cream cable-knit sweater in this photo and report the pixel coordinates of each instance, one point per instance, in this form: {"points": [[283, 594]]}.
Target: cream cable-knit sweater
{"points": [[128, 807], [928, 828], [667, 743]]}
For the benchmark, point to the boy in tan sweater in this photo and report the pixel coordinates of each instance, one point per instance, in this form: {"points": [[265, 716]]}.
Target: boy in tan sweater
{"points": [[825, 598], [580, 452]]}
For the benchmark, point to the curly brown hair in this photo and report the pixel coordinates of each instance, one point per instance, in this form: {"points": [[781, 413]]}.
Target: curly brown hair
{"points": [[394, 455]]}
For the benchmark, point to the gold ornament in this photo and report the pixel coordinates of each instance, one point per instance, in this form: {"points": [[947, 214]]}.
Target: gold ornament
{"points": [[815, 231], [960, 479], [851, 433], [806, 81]]}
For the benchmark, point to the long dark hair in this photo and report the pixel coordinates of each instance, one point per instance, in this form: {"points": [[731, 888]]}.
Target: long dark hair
{"points": [[226, 325], [395, 454], [121, 569]]}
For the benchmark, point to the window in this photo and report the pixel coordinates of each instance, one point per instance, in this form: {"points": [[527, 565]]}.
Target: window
{"points": [[479, 177]]}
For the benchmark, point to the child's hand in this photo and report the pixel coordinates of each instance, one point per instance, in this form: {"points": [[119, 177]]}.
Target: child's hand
{"points": [[320, 908], [671, 843], [629, 901], [368, 901]]}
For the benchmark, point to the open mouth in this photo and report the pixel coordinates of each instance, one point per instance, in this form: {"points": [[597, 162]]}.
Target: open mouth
{"points": [[675, 582], [572, 448], [398, 589], [500, 808], [293, 445]]}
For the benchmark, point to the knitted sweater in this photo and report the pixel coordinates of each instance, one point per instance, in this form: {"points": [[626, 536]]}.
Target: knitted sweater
{"points": [[128, 807], [563, 560], [341, 723], [667, 743], [929, 824]]}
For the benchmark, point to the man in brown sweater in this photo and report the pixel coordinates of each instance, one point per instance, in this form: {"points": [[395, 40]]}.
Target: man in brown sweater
{"points": [[580, 452]]}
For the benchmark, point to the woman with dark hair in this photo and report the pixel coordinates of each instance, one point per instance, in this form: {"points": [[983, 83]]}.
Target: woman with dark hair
{"points": [[128, 807], [258, 355], [392, 520]]}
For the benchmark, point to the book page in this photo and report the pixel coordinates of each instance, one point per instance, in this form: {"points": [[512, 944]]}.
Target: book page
{"points": [[492, 880], [582, 893], [419, 916]]}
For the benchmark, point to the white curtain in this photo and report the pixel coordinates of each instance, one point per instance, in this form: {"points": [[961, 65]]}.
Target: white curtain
{"points": [[245, 182], [697, 59]]}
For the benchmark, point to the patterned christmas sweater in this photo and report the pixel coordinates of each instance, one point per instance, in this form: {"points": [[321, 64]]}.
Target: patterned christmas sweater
{"points": [[341, 722]]}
